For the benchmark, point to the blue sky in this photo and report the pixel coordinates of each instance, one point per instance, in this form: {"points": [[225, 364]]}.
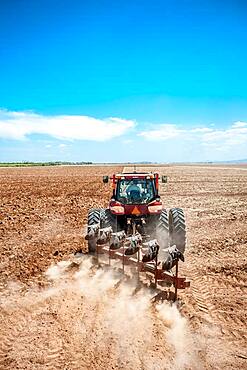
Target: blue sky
{"points": [[123, 80]]}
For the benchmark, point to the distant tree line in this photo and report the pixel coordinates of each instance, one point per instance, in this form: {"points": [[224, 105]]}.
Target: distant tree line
{"points": [[30, 164]]}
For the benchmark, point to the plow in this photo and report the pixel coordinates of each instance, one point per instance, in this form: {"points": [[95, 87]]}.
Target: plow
{"points": [[137, 231]]}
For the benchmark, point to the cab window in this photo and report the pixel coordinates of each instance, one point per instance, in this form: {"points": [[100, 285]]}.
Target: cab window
{"points": [[135, 191]]}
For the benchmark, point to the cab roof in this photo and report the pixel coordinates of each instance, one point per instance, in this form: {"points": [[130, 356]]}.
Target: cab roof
{"points": [[135, 175]]}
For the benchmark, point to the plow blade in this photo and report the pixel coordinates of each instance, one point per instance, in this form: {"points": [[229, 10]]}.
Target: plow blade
{"points": [[93, 232], [173, 255], [152, 252], [117, 240], [135, 242]]}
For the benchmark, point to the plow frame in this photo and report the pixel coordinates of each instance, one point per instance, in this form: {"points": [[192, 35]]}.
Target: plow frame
{"points": [[153, 267]]}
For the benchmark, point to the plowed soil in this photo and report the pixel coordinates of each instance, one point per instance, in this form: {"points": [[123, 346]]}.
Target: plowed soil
{"points": [[59, 310]]}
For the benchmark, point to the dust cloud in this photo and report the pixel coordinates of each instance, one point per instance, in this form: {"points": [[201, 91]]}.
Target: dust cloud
{"points": [[99, 318]]}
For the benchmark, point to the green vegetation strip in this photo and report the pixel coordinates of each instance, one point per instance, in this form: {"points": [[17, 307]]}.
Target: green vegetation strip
{"points": [[31, 164]]}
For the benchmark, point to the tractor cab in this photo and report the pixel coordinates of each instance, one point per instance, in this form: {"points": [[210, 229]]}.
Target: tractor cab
{"points": [[135, 194]]}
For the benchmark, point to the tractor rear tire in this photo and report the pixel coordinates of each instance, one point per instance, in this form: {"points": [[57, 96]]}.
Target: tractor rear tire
{"points": [[162, 232], [177, 228], [109, 220], [95, 216]]}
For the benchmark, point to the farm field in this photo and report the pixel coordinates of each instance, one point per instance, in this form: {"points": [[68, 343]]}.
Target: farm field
{"points": [[58, 311]]}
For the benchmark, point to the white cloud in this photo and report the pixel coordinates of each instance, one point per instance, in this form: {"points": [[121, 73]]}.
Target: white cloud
{"points": [[127, 141], [201, 143], [18, 125], [62, 146], [162, 132], [234, 135], [201, 129], [239, 124]]}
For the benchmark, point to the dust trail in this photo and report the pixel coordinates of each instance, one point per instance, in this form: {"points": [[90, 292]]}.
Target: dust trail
{"points": [[90, 317], [56, 271], [180, 337], [129, 321]]}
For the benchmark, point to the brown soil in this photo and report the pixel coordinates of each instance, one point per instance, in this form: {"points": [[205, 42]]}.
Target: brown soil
{"points": [[59, 311]]}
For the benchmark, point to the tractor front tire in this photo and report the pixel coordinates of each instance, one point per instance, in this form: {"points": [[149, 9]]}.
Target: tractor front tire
{"points": [[95, 216], [177, 228]]}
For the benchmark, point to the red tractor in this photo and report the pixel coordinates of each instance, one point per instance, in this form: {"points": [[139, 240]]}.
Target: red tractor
{"points": [[136, 208]]}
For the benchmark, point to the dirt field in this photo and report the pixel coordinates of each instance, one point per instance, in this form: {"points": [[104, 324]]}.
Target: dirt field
{"points": [[58, 311]]}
